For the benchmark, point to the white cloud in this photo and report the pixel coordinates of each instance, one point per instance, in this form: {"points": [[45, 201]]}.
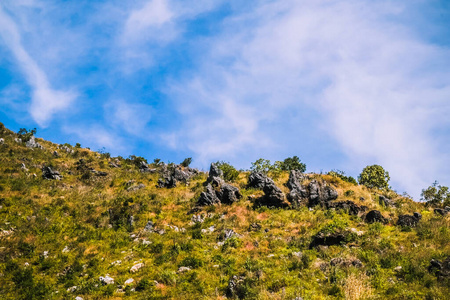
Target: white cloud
{"points": [[351, 62], [45, 100], [132, 117]]}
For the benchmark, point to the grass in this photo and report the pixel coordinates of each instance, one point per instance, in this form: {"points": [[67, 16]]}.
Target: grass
{"points": [[60, 234]]}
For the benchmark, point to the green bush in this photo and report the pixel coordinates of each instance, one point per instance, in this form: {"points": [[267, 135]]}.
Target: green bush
{"points": [[186, 162], [341, 175], [229, 172], [436, 195], [374, 177], [292, 163]]}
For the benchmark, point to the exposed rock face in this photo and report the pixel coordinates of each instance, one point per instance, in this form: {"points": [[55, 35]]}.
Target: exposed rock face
{"points": [[106, 280], [2, 141], [351, 207], [228, 194], [31, 143], [149, 226], [329, 239], [313, 194], [375, 216], [408, 220], [256, 180], [215, 176], [48, 173], [441, 269]]}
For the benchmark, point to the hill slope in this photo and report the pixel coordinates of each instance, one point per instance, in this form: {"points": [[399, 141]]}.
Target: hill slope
{"points": [[99, 227]]}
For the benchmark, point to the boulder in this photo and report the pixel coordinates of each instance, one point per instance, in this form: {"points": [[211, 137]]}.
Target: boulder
{"points": [[351, 207], [149, 226], [228, 194], [295, 179], [48, 173], [273, 196], [385, 201], [106, 280], [2, 141], [329, 239], [409, 220], [215, 176], [375, 216], [234, 288], [208, 197], [256, 180]]}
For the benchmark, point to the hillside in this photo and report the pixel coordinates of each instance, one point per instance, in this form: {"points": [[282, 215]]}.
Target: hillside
{"points": [[77, 224]]}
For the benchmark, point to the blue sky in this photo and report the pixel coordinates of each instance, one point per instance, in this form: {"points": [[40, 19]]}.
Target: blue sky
{"points": [[341, 84]]}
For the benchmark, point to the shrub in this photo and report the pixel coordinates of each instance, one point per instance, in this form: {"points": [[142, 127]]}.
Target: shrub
{"points": [[341, 175], [186, 162], [25, 135], [292, 163], [192, 262], [436, 195], [229, 172], [374, 177]]}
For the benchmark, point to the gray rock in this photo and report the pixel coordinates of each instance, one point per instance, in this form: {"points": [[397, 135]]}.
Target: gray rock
{"points": [[149, 226], [256, 180], [55, 153], [440, 269], [177, 175], [106, 280], [384, 201], [351, 207], [48, 173], [130, 220], [215, 176], [134, 188], [208, 197], [233, 288], [320, 194], [17, 140], [273, 196], [329, 239], [408, 220], [228, 234], [295, 180], [375, 216], [31, 143], [228, 194], [2, 141]]}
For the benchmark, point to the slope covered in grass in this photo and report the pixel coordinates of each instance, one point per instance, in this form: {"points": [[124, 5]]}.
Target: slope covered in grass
{"points": [[106, 230]]}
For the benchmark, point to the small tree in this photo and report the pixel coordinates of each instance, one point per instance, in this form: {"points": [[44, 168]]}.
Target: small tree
{"points": [[261, 165], [25, 135], [293, 163], [436, 195], [186, 162], [229, 172], [374, 177]]}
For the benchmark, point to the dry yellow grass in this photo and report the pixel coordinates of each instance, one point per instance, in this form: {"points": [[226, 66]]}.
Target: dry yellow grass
{"points": [[357, 287]]}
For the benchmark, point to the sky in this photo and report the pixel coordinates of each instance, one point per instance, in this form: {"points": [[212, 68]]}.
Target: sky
{"points": [[340, 84]]}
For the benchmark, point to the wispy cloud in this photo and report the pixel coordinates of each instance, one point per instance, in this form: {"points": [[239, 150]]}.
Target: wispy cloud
{"points": [[131, 117], [350, 62], [45, 100]]}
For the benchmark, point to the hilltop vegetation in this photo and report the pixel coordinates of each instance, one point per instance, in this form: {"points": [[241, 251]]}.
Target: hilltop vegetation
{"points": [[78, 223]]}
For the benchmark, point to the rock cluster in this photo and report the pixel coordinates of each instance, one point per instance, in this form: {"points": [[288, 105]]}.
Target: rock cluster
{"points": [[217, 190], [442, 211], [351, 207], [315, 193], [31, 143], [329, 239]]}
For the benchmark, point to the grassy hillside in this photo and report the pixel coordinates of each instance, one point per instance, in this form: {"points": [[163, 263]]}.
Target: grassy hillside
{"points": [[68, 238]]}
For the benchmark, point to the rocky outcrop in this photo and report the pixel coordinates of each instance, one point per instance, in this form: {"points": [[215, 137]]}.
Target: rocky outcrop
{"points": [[342, 262], [217, 190], [144, 168], [31, 143], [234, 288], [349, 206], [273, 196], [48, 173], [375, 216], [409, 220]]}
